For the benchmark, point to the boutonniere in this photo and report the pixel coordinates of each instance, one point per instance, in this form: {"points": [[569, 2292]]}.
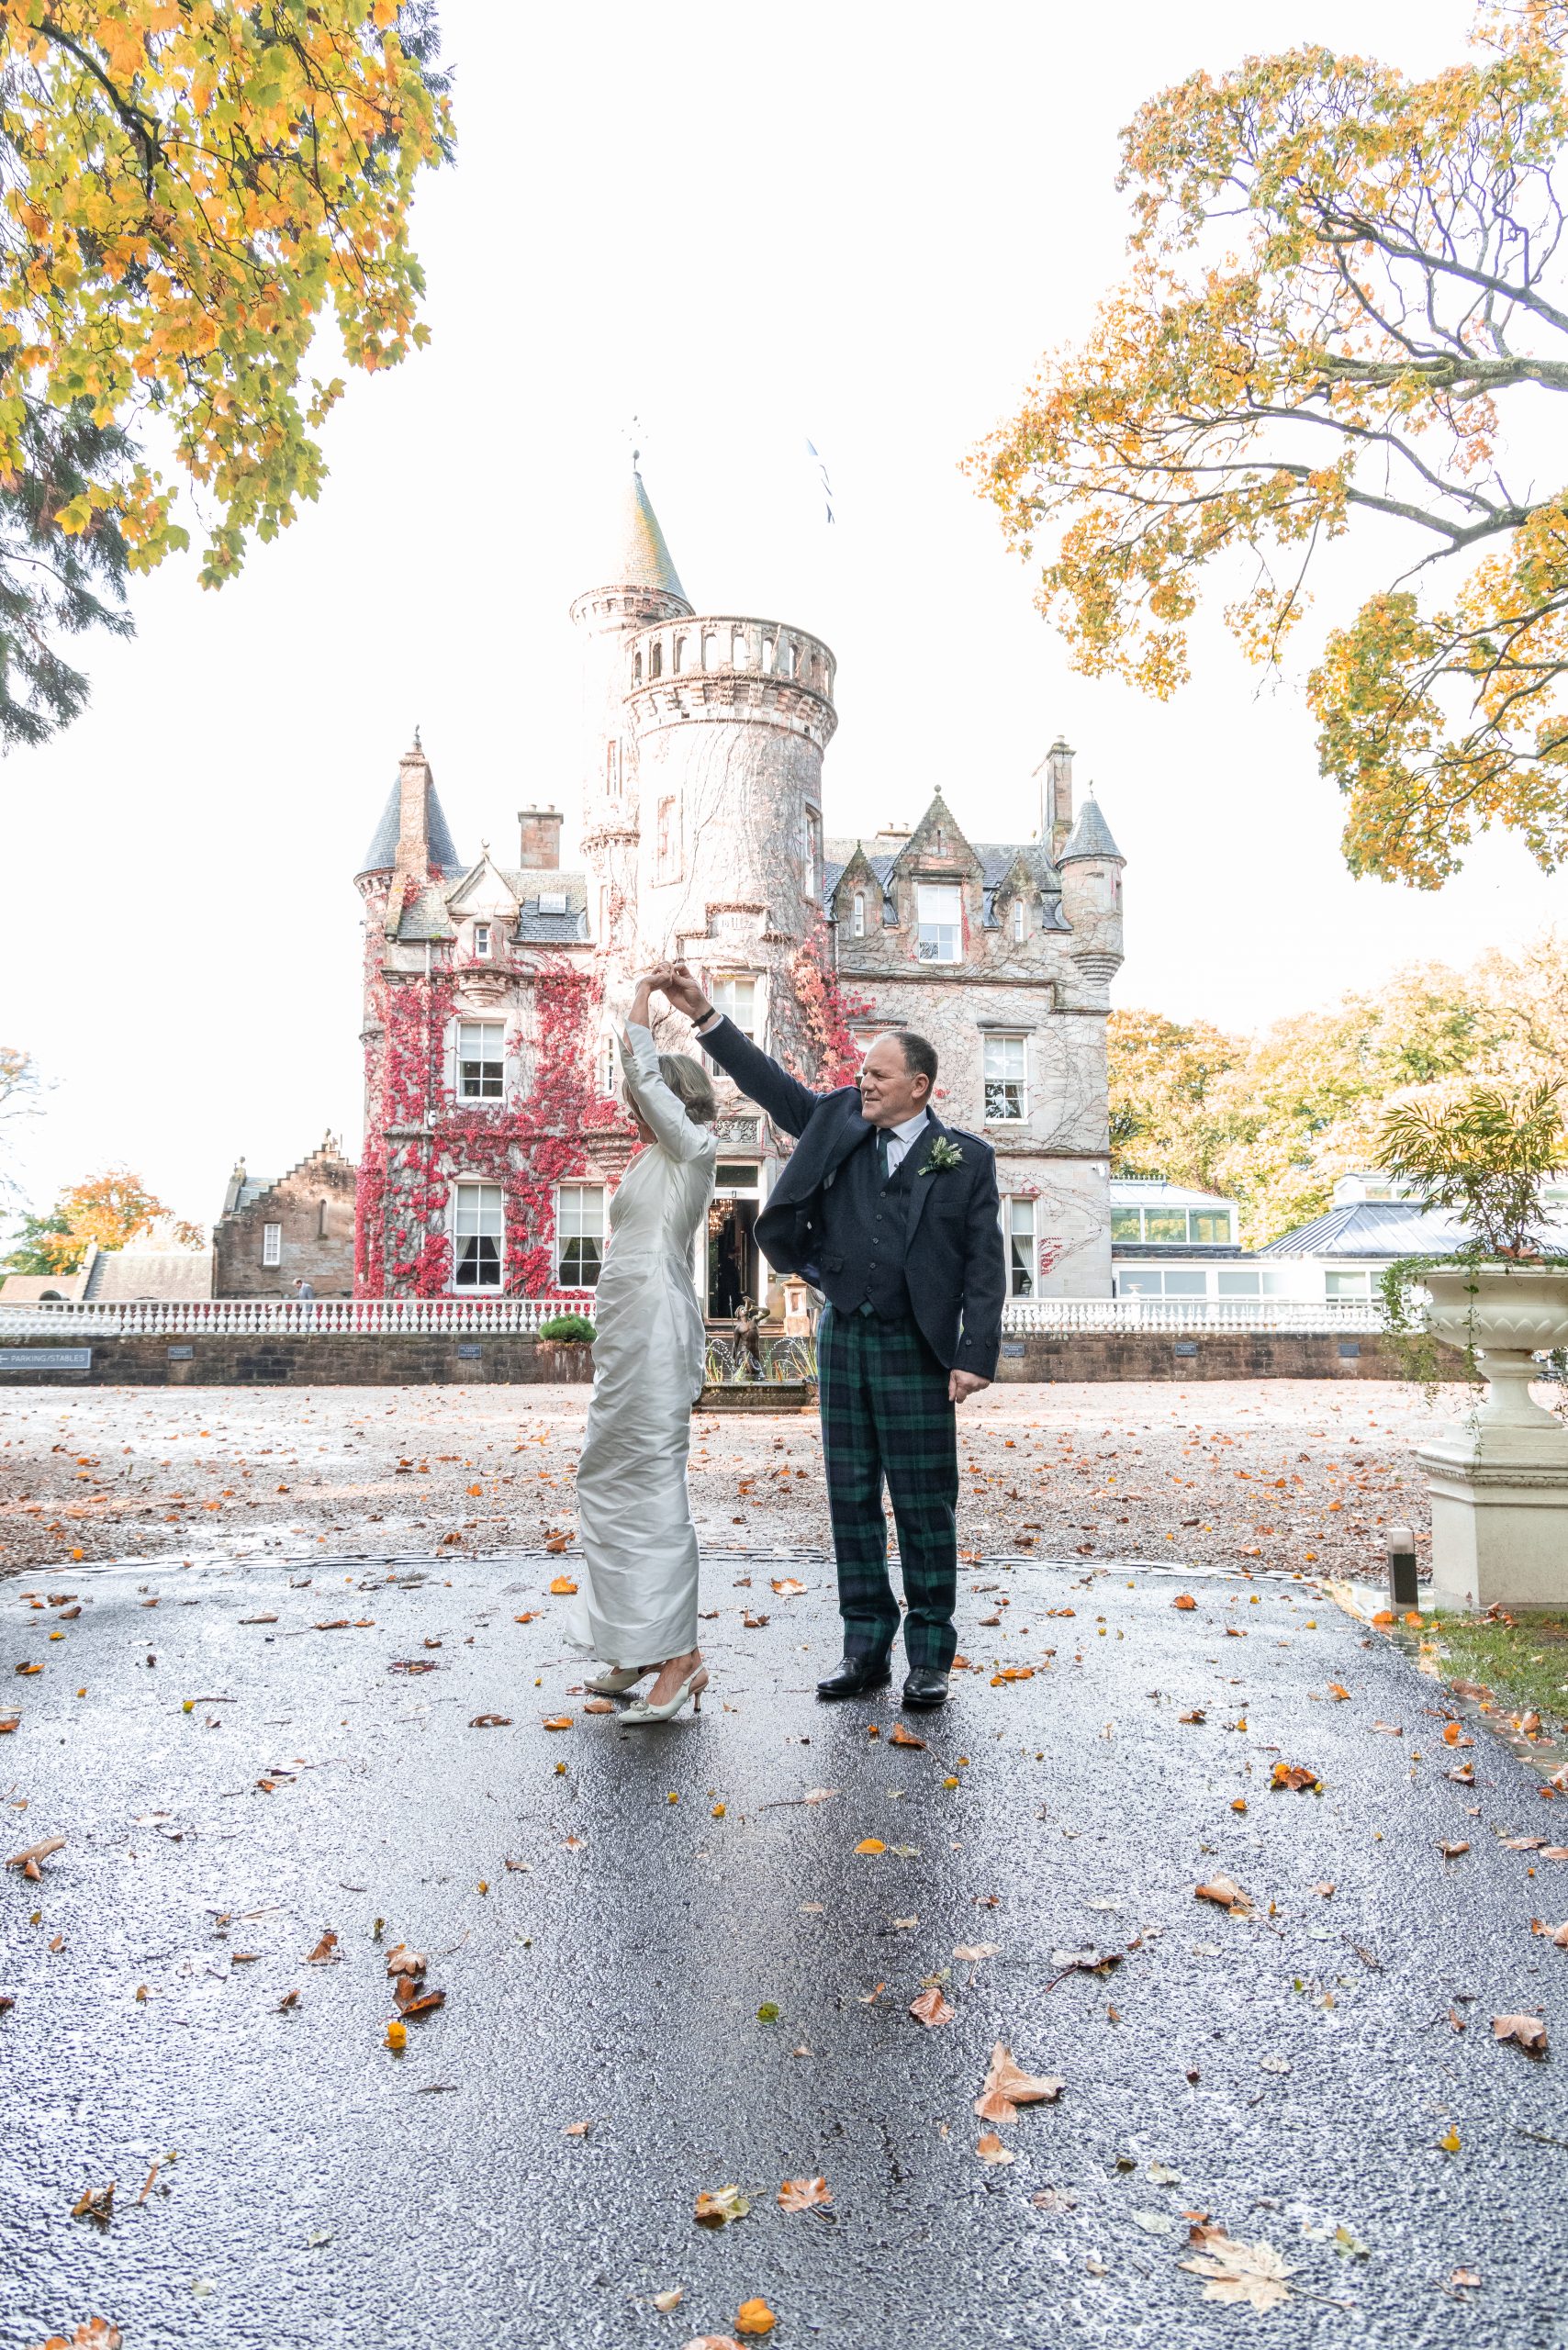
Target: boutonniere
{"points": [[943, 1154]]}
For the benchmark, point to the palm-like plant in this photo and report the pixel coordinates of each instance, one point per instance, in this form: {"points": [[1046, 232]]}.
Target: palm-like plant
{"points": [[1486, 1155]]}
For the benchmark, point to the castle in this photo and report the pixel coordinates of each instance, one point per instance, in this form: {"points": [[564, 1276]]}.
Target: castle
{"points": [[494, 1135]]}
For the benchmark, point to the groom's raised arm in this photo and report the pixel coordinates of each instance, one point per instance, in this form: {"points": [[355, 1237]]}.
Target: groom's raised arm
{"points": [[786, 1101]]}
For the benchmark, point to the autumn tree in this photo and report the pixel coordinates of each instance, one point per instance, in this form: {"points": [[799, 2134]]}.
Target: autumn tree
{"points": [[1343, 284], [188, 188], [113, 1209]]}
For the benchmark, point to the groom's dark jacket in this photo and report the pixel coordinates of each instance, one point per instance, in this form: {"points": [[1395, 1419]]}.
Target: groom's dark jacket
{"points": [[940, 1253]]}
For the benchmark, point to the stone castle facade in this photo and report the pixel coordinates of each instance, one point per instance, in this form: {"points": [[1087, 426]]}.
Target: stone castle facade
{"points": [[494, 1136]]}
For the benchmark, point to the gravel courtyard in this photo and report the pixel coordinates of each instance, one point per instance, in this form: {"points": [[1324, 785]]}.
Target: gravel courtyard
{"points": [[1284, 1472]]}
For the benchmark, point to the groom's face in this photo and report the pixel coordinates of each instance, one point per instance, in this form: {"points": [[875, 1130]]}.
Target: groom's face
{"points": [[889, 1091]]}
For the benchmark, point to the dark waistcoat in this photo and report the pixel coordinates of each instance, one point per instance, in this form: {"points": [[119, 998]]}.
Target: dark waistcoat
{"points": [[865, 1226]]}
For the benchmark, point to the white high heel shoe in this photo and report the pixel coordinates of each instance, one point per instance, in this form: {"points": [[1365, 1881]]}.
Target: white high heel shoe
{"points": [[618, 1679], [691, 1689]]}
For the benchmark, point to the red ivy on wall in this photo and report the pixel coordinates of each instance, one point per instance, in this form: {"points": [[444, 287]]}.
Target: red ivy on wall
{"points": [[825, 1011], [419, 1135]]}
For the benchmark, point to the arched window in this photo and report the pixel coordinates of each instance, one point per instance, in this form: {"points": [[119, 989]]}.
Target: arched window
{"points": [[322, 1208], [656, 659], [1020, 918], [737, 648], [785, 662], [637, 669], [767, 650], [709, 649], [858, 927], [679, 661]]}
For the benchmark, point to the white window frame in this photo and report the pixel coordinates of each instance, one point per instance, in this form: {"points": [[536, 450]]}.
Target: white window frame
{"points": [[573, 1226], [1020, 919], [858, 919], [939, 936], [1005, 1086], [1018, 1228], [1341, 1281], [481, 1061], [477, 1211], [271, 1244], [482, 941], [724, 995]]}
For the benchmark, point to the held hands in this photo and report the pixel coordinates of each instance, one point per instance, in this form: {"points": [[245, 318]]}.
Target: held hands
{"points": [[963, 1385], [676, 981]]}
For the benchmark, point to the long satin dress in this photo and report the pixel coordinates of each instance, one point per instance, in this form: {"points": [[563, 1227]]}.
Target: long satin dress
{"points": [[637, 1600]]}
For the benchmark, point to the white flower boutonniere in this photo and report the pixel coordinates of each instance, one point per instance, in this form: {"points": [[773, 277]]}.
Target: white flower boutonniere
{"points": [[944, 1155]]}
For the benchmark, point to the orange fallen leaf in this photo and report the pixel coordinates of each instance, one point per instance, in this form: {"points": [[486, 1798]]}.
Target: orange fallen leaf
{"points": [[558, 1721], [1294, 1775], [1007, 2086], [931, 2008], [1527, 2032], [1557, 1934], [9, 1722], [95, 2202], [1337, 1689], [404, 1961], [598, 1706], [715, 2205], [529, 1618], [900, 1736], [497, 1721], [562, 1586], [417, 2003], [786, 1586], [577, 2128], [755, 2317], [1223, 1892], [28, 1861], [990, 2148], [1197, 1714], [1451, 1848], [397, 2036], [95, 2333], [804, 2194], [1465, 2281], [1184, 1599], [1390, 1730], [325, 1950], [870, 1844]]}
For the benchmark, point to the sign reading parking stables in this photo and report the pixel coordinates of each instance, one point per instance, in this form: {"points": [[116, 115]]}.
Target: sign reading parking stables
{"points": [[46, 1358]]}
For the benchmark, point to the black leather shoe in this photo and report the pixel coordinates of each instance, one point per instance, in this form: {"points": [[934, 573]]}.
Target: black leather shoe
{"points": [[925, 1688], [852, 1676]]}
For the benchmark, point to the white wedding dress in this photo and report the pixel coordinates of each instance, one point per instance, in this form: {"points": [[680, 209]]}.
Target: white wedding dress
{"points": [[637, 1603]]}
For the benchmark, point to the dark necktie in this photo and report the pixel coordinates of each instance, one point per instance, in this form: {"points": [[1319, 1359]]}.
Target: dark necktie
{"points": [[881, 1154]]}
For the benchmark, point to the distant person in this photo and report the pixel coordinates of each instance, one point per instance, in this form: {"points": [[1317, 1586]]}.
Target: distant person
{"points": [[304, 1289], [728, 1290], [637, 1607], [895, 1216]]}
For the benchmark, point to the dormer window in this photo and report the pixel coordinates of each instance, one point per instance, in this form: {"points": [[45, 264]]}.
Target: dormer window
{"points": [[939, 913], [482, 941], [857, 920], [552, 902]]}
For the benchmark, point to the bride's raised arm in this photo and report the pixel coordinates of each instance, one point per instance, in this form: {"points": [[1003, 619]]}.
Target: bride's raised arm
{"points": [[663, 1111]]}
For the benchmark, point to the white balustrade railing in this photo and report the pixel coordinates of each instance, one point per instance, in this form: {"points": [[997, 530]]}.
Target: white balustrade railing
{"points": [[375, 1316]]}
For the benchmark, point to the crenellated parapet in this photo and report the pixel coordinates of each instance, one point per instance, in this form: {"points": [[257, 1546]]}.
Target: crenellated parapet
{"points": [[731, 666]]}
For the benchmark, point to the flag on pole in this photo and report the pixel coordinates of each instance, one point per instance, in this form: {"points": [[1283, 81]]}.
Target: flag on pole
{"points": [[822, 475]]}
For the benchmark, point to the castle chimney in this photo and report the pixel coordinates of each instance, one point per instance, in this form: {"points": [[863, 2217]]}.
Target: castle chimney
{"points": [[1055, 795], [541, 840], [413, 813]]}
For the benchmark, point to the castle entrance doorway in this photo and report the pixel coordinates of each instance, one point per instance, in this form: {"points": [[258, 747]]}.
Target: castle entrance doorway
{"points": [[734, 1264]]}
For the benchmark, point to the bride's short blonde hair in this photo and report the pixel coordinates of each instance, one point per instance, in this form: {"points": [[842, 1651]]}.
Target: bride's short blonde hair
{"points": [[691, 1086]]}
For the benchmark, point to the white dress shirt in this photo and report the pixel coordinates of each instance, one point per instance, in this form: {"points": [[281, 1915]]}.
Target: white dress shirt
{"points": [[902, 1138]]}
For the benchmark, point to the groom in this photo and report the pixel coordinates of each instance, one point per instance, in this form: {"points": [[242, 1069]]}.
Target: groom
{"points": [[894, 1215]]}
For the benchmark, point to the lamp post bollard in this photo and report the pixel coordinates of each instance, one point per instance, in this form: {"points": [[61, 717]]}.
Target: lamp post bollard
{"points": [[1401, 1588]]}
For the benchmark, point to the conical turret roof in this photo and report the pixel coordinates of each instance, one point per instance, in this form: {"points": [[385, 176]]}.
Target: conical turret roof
{"points": [[382, 854], [643, 559], [1091, 836]]}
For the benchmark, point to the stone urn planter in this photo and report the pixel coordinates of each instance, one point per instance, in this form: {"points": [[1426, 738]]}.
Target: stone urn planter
{"points": [[1499, 1481]]}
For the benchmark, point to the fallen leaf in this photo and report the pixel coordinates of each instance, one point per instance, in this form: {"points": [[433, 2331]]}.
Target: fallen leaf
{"points": [[755, 2317], [1294, 1775], [1253, 2272], [1223, 1892], [558, 1721], [969, 1953], [503, 1722], [1184, 1599], [804, 2194], [1557, 1934], [1007, 2086], [900, 1736], [990, 2148], [9, 1722], [94, 2203], [1465, 2281], [1326, 1889], [670, 2300], [325, 1950], [417, 2003], [1527, 2032], [870, 1844], [787, 1587], [397, 2036], [598, 1706], [28, 1862], [1450, 2141], [1451, 1849], [1197, 1714], [717, 2204], [1464, 1771], [577, 2128], [1337, 1689], [931, 2008], [97, 2333], [562, 1586], [289, 1999], [1390, 1730]]}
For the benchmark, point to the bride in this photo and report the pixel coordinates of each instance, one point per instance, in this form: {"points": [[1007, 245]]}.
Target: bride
{"points": [[638, 1596]]}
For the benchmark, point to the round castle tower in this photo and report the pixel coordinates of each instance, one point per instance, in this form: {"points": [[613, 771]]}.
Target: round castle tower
{"points": [[703, 742]]}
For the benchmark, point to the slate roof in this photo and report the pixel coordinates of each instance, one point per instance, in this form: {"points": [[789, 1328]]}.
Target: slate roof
{"points": [[119, 1274], [382, 854], [997, 859], [426, 916], [1364, 1228], [1091, 836]]}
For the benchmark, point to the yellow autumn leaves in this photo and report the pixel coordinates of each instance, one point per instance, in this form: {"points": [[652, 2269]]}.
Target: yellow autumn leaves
{"points": [[189, 188]]}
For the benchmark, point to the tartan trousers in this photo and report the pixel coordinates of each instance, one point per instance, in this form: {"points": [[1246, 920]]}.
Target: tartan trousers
{"points": [[885, 1414]]}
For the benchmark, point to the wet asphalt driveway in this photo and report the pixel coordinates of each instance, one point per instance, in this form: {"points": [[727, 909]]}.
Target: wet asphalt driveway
{"points": [[605, 1940]]}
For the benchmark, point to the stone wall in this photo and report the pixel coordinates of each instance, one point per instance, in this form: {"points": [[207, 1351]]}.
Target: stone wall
{"points": [[314, 1203], [431, 1359]]}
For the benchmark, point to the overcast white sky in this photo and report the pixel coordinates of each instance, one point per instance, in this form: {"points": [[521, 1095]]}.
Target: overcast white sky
{"points": [[857, 222]]}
